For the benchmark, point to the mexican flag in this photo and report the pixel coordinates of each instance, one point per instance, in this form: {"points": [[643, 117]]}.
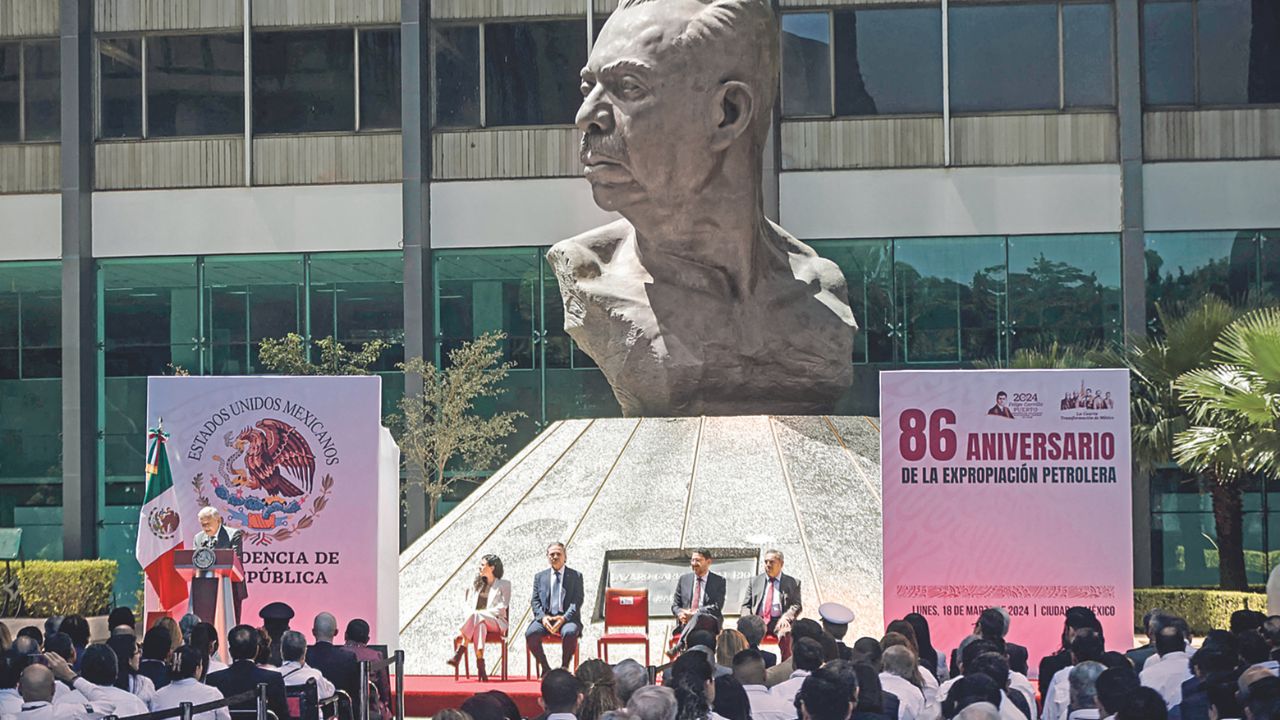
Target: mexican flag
{"points": [[158, 524]]}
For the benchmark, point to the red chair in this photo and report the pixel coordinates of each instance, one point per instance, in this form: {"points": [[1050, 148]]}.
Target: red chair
{"points": [[783, 644], [624, 607], [546, 640], [500, 641]]}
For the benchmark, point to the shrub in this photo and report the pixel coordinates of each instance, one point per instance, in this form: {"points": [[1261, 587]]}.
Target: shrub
{"points": [[1203, 609], [82, 587]]}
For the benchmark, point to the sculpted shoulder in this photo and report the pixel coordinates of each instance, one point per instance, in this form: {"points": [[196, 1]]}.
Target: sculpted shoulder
{"points": [[584, 256], [823, 274]]}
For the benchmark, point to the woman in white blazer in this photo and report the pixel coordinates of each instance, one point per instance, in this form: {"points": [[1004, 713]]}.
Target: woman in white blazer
{"points": [[485, 606]]}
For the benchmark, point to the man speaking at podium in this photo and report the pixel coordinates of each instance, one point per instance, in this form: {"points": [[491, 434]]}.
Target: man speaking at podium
{"points": [[216, 536]]}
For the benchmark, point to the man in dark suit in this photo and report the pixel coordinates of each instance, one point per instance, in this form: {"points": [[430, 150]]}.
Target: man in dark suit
{"points": [[243, 674], [700, 592], [775, 597], [204, 587], [338, 665], [557, 608]]}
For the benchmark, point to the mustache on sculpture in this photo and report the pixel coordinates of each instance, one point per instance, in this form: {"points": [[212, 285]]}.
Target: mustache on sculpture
{"points": [[610, 146]]}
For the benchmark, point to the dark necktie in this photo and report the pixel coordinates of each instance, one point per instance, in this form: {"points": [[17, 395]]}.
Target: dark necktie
{"points": [[697, 595], [555, 595]]}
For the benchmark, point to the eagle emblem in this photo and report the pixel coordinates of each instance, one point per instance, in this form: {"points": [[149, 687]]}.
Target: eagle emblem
{"points": [[163, 522], [277, 459]]}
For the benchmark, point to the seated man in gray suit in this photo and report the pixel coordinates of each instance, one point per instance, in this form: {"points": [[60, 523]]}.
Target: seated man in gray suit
{"points": [[557, 608], [775, 597], [699, 598]]}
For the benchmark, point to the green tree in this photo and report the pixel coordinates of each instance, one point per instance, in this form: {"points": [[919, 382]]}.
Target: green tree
{"points": [[288, 356], [1158, 413], [440, 429], [1234, 420]]}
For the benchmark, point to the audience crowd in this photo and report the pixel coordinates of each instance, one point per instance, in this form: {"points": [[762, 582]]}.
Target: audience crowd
{"points": [[1232, 673], [55, 672]]}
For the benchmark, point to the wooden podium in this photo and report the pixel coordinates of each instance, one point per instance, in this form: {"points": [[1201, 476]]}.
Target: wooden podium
{"points": [[210, 573]]}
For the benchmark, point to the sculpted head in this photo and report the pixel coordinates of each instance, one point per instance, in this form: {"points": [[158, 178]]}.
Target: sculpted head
{"points": [[674, 90]]}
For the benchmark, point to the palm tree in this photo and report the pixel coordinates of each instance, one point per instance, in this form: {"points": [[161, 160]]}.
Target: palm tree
{"points": [[1234, 408], [1158, 414]]}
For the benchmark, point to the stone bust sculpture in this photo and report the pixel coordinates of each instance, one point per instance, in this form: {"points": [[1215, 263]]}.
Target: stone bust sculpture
{"points": [[695, 303]]}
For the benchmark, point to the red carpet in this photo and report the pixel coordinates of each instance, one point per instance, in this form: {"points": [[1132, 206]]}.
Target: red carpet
{"points": [[425, 695]]}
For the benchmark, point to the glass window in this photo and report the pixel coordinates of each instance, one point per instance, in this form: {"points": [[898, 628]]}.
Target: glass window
{"points": [[1064, 289], [1168, 68], [867, 268], [456, 64], [120, 88], [1238, 52], [44, 120], [1182, 267], [303, 81], [151, 316], [889, 61], [195, 85], [1004, 57], [10, 86], [482, 291], [531, 72], [247, 299], [31, 404], [359, 297], [379, 79], [950, 294], [1270, 262], [806, 64], [1087, 42]]}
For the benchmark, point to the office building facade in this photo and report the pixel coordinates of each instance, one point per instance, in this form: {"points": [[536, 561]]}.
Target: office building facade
{"points": [[181, 179]]}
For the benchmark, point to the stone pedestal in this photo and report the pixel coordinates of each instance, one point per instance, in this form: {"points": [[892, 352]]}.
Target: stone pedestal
{"points": [[809, 486]]}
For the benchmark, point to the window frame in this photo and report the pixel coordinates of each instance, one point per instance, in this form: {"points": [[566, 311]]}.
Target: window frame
{"points": [[1196, 103], [1062, 106], [945, 90], [144, 38], [482, 86], [21, 44]]}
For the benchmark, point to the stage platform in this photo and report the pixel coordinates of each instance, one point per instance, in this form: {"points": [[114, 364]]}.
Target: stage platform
{"points": [[425, 695]]}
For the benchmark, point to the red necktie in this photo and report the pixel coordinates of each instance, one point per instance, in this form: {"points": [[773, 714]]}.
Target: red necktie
{"points": [[766, 610], [697, 594]]}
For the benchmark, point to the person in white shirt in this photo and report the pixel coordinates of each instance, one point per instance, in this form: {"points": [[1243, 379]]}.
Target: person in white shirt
{"points": [[561, 695], [901, 673], [98, 668], [1174, 668], [185, 686], [293, 650], [806, 656], [748, 669], [128, 657], [1087, 645], [60, 643], [1083, 680], [12, 663], [484, 608], [36, 687]]}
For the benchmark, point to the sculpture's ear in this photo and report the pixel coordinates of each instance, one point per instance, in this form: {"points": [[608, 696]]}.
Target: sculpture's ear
{"points": [[734, 105]]}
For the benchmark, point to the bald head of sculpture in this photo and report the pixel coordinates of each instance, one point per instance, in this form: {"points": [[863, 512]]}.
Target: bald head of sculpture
{"points": [[677, 98]]}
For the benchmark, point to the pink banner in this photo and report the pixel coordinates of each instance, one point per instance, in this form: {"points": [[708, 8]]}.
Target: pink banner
{"points": [[303, 469], [1008, 488]]}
